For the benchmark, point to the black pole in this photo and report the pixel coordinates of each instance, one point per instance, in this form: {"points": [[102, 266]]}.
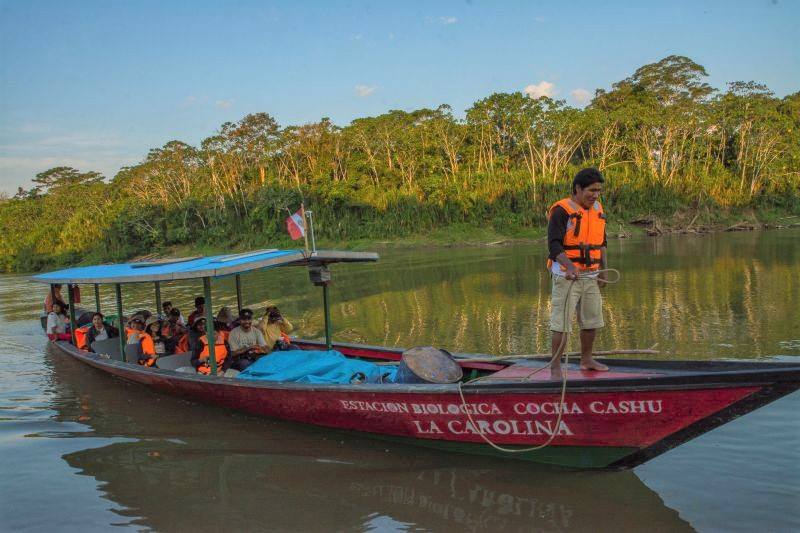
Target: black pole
{"points": [[212, 347], [238, 292], [97, 297], [328, 325], [122, 340], [158, 298], [71, 302]]}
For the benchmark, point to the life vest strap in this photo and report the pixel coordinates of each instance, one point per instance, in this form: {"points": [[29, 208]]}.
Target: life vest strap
{"points": [[586, 257]]}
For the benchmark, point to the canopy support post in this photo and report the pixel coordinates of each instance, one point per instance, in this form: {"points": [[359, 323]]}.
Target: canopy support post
{"points": [[212, 346], [122, 339], [52, 298], [71, 301], [158, 298], [328, 325], [238, 292], [97, 297]]}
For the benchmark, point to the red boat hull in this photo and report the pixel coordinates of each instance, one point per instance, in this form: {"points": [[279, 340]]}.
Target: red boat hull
{"points": [[616, 427]]}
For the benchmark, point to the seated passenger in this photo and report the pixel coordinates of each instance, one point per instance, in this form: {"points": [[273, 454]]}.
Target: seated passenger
{"points": [[199, 310], [160, 343], [166, 312], [247, 342], [225, 318], [275, 328], [172, 327], [137, 335], [201, 351], [99, 331], [49, 299], [57, 323]]}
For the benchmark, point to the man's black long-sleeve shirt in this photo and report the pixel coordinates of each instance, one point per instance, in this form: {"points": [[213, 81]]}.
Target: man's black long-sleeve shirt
{"points": [[556, 229]]}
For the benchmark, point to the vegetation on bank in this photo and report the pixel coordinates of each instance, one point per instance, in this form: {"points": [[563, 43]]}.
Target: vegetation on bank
{"points": [[675, 152]]}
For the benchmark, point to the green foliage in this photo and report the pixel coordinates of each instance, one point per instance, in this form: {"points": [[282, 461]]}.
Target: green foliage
{"points": [[667, 142]]}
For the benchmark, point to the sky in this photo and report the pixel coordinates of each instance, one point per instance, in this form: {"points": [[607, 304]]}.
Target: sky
{"points": [[95, 85]]}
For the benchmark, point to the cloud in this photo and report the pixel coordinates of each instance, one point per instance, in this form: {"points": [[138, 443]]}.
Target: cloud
{"points": [[189, 101], [448, 20], [17, 171], [539, 19], [363, 91], [63, 143], [581, 96], [543, 88], [24, 156], [224, 104]]}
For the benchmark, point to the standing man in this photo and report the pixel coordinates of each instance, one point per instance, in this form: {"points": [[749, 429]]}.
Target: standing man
{"points": [[576, 237]]}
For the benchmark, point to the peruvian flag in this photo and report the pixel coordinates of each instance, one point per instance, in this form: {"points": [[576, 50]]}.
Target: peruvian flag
{"points": [[296, 225]]}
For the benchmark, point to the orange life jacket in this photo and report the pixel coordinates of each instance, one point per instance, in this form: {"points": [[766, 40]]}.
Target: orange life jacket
{"points": [[80, 338], [220, 352], [148, 347], [183, 344], [586, 230]]}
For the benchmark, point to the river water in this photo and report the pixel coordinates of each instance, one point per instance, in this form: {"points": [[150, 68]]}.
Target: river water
{"points": [[86, 452]]}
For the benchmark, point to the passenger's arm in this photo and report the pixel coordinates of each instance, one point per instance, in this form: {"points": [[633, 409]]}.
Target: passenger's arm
{"points": [[261, 342], [196, 361]]}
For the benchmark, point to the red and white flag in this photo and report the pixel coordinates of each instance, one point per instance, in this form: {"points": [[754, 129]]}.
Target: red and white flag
{"points": [[296, 225]]}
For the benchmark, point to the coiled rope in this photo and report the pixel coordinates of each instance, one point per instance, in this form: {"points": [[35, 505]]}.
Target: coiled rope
{"points": [[558, 353]]}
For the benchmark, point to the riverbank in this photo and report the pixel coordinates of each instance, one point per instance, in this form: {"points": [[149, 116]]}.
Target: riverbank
{"points": [[226, 238], [463, 235]]}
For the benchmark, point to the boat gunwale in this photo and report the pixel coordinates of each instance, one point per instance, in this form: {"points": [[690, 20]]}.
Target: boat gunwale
{"points": [[787, 373]]}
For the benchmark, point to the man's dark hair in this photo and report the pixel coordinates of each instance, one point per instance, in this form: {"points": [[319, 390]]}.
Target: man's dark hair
{"points": [[199, 301], [245, 313], [175, 312], [98, 314], [586, 177], [165, 304]]}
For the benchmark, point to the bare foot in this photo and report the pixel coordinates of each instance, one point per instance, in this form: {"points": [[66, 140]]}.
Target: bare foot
{"points": [[591, 364], [555, 371]]}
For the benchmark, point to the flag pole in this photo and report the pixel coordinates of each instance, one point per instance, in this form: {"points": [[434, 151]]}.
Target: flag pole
{"points": [[305, 227], [311, 226]]}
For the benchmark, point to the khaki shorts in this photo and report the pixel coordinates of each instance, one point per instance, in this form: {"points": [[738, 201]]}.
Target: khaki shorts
{"points": [[584, 298]]}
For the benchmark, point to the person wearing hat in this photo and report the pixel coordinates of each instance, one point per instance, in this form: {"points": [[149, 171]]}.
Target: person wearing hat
{"points": [[137, 335], [275, 327], [153, 327], [247, 342]]}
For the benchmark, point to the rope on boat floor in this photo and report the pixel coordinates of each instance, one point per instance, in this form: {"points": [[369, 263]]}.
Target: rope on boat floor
{"points": [[559, 352]]}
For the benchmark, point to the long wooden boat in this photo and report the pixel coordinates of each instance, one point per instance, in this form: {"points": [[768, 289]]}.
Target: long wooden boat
{"points": [[616, 419]]}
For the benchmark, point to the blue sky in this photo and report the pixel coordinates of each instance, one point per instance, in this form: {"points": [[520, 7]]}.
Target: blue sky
{"points": [[95, 85]]}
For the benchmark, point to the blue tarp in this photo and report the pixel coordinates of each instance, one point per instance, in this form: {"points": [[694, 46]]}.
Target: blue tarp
{"points": [[305, 366]]}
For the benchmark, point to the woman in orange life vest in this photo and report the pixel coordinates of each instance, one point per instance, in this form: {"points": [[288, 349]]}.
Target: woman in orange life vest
{"points": [[161, 343], [136, 334], [577, 247], [201, 351]]}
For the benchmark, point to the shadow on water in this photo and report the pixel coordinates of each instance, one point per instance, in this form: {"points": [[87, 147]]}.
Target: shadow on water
{"points": [[182, 466]]}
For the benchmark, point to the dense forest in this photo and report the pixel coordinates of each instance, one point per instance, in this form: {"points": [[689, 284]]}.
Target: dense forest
{"points": [[671, 146]]}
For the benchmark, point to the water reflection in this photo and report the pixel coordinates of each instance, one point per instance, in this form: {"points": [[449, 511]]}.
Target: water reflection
{"points": [[699, 297], [185, 467]]}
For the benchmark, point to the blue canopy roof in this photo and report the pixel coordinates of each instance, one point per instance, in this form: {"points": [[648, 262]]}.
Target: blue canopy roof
{"points": [[199, 267]]}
